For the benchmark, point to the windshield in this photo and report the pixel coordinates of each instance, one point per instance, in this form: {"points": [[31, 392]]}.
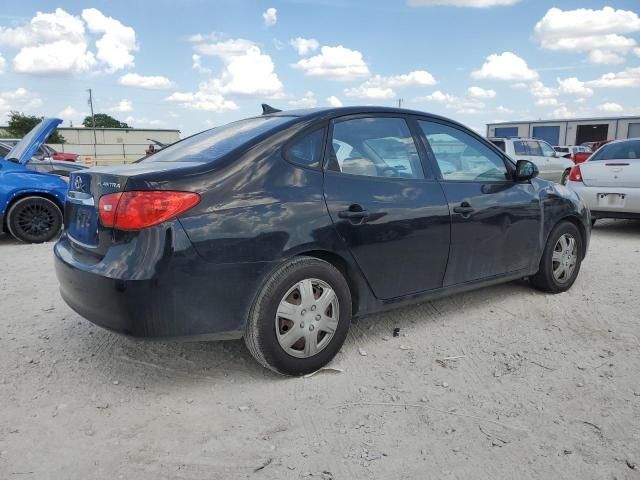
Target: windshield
{"points": [[211, 145], [628, 150]]}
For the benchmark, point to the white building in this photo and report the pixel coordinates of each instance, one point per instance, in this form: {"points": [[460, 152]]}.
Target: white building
{"points": [[112, 145], [569, 131]]}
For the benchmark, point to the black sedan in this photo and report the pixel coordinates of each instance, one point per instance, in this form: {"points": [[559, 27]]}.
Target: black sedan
{"points": [[282, 227]]}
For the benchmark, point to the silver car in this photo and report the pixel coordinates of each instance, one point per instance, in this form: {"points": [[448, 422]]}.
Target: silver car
{"points": [[551, 164], [609, 182]]}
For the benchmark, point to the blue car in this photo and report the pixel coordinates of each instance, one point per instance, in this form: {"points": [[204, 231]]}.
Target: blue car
{"points": [[31, 202]]}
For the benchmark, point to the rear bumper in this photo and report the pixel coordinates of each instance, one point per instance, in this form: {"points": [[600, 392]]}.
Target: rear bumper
{"points": [[599, 208], [184, 297]]}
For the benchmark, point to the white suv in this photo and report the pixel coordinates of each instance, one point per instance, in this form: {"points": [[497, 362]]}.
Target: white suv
{"points": [[551, 164]]}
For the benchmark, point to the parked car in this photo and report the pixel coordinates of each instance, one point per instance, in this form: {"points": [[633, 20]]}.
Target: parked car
{"points": [[31, 199], [44, 164], [45, 151], [282, 227], [551, 164], [575, 153], [609, 182]]}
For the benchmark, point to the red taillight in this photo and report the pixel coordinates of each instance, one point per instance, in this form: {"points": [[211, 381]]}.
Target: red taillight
{"points": [[575, 175], [138, 210]]}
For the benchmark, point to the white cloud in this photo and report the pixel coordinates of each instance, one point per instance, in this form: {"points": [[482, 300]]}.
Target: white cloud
{"points": [[505, 66], [71, 115], [3, 64], [610, 107], [562, 112], [370, 91], [601, 33], [379, 87], [123, 105], [306, 101], [540, 90], [21, 100], [547, 102], [334, 101], [462, 3], [637, 51], [247, 70], [628, 78], [304, 46], [503, 109], [270, 16], [209, 102], [117, 42], [478, 92], [58, 43], [573, 86], [141, 122], [197, 64], [205, 37], [437, 96], [335, 63], [152, 82], [519, 85], [451, 102]]}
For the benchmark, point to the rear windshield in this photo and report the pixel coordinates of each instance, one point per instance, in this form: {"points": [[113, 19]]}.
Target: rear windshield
{"points": [[562, 149], [618, 151], [211, 145], [499, 144]]}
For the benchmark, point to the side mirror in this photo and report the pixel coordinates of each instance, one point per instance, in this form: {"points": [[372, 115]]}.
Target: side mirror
{"points": [[525, 170]]}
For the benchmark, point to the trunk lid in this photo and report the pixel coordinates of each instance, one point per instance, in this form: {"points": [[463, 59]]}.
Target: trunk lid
{"points": [[81, 219], [24, 150], [611, 173]]}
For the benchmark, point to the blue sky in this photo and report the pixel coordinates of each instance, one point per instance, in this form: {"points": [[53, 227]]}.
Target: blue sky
{"points": [[477, 63]]}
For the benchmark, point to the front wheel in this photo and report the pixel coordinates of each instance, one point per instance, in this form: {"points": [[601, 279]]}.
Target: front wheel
{"points": [[561, 259], [300, 317], [565, 177], [34, 220]]}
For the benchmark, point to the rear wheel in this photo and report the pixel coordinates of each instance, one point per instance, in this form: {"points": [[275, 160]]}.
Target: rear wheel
{"points": [[34, 220], [561, 259], [300, 317]]}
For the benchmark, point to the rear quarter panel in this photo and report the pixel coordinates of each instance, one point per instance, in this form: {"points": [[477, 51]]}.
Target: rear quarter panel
{"points": [[16, 180]]}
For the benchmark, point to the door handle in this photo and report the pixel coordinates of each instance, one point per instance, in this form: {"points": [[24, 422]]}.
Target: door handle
{"points": [[465, 208], [353, 215]]}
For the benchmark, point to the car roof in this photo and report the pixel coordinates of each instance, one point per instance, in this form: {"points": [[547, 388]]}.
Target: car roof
{"points": [[331, 112]]}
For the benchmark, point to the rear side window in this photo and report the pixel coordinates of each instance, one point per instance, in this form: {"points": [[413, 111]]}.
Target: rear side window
{"points": [[618, 151], [306, 150], [520, 148], [213, 144]]}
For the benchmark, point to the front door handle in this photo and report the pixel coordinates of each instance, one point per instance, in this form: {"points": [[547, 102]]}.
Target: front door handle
{"points": [[465, 208]]}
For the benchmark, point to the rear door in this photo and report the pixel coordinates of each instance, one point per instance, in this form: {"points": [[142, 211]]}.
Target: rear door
{"points": [[495, 222], [389, 210]]}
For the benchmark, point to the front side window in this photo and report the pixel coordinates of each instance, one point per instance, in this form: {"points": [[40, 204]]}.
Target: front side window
{"points": [[533, 148], [461, 156], [375, 147], [547, 150], [306, 150]]}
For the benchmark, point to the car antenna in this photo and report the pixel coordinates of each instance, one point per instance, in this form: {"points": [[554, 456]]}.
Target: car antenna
{"points": [[267, 109]]}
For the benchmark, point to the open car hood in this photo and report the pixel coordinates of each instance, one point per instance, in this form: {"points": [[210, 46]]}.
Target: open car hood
{"points": [[24, 150]]}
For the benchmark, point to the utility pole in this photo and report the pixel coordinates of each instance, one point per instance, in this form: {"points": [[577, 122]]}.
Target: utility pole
{"points": [[400, 103], [93, 125]]}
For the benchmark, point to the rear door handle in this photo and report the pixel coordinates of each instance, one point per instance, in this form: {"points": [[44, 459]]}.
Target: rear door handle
{"points": [[465, 208], [353, 215]]}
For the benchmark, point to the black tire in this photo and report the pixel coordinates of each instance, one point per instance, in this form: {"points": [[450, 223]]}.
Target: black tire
{"points": [[545, 280], [34, 220], [260, 332], [593, 221], [565, 177]]}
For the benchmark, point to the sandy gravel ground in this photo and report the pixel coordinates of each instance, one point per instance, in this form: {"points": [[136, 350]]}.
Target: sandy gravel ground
{"points": [[546, 387]]}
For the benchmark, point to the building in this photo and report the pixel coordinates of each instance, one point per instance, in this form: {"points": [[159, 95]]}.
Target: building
{"points": [[112, 145], [569, 131]]}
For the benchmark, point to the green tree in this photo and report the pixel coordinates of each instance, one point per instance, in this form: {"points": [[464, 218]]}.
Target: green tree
{"points": [[104, 121], [20, 124]]}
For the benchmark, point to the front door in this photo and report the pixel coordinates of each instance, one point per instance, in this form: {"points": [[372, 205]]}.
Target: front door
{"points": [[495, 222], [391, 214]]}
